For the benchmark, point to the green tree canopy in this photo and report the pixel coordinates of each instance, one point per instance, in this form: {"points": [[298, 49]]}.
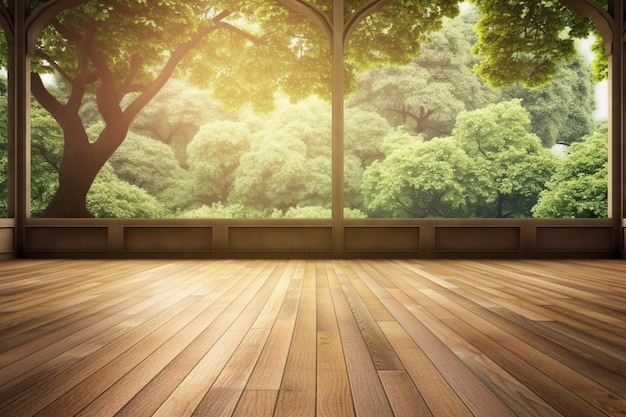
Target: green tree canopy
{"points": [[151, 165], [524, 40], [561, 111], [122, 52], [288, 164], [579, 187], [423, 179], [213, 157], [499, 142], [110, 197], [175, 115], [426, 95]]}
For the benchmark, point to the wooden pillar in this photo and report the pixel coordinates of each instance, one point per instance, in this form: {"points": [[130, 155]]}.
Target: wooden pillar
{"points": [[617, 151], [337, 48], [19, 105]]}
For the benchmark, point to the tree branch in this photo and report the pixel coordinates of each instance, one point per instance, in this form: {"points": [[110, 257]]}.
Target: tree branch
{"points": [[43, 56], [83, 75], [177, 55], [47, 100], [42, 151], [128, 86], [64, 31]]}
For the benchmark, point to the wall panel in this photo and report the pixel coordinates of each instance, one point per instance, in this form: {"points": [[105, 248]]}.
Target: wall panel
{"points": [[382, 239], [484, 239], [67, 239], [7, 238], [588, 239], [277, 239], [163, 239]]}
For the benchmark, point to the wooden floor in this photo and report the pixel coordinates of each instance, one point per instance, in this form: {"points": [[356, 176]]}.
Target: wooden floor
{"points": [[313, 338]]}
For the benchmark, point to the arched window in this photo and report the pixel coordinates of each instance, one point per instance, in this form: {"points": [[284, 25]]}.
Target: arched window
{"points": [[189, 111], [459, 131]]}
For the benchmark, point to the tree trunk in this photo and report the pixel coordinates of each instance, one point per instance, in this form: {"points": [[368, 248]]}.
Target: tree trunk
{"points": [[76, 175]]}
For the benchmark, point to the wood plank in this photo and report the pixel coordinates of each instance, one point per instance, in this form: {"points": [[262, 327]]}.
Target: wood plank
{"points": [[532, 338], [257, 404], [297, 395], [156, 349], [580, 393], [268, 373], [369, 397], [207, 350], [431, 383], [378, 346], [405, 399], [224, 394], [334, 398]]}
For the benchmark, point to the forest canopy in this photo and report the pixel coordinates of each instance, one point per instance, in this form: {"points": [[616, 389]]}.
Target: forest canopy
{"points": [[221, 108]]}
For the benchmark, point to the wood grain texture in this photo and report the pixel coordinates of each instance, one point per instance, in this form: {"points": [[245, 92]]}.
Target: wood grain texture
{"points": [[313, 338]]}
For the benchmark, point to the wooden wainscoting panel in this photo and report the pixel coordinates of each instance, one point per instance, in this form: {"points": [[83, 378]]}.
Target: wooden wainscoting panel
{"points": [[170, 238], [66, 239], [381, 239], [287, 239], [567, 238], [486, 238], [7, 238]]}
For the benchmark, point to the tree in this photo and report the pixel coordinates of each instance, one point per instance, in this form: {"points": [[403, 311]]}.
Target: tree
{"points": [[151, 165], [271, 175], [213, 157], [426, 95], [124, 51], [561, 111], [529, 56], [499, 142], [423, 179], [46, 142], [579, 187], [109, 197], [364, 132], [175, 115], [289, 162]]}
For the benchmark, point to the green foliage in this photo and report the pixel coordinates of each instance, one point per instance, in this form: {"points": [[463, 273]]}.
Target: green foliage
{"points": [[213, 157], [309, 212], [364, 133], [288, 163], [563, 110], [175, 115], [271, 175], [122, 53], [579, 187], [151, 165], [499, 142], [221, 211], [426, 95], [492, 166], [46, 142], [109, 197], [529, 56], [259, 52], [600, 62], [423, 179], [402, 27]]}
